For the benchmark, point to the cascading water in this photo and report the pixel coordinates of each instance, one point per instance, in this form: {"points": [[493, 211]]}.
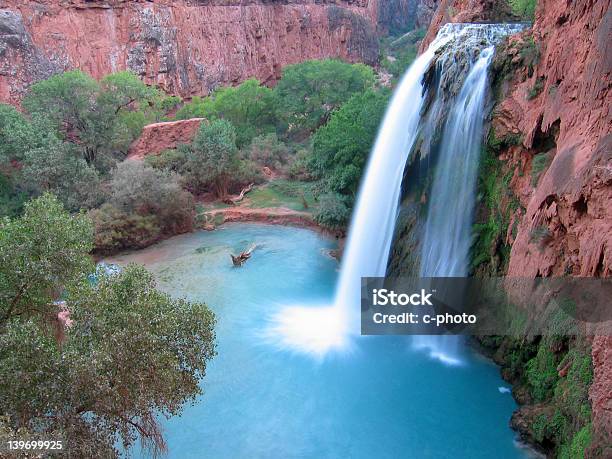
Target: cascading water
{"points": [[319, 330], [447, 236]]}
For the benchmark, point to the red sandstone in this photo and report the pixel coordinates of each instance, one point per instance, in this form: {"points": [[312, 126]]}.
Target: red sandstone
{"points": [[158, 137]]}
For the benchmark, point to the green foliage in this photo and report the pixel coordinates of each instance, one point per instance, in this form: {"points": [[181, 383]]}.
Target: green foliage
{"points": [[268, 151], [299, 167], [144, 204], [542, 374], [334, 211], [397, 55], [130, 354], [42, 252], [536, 89], [580, 443], [12, 196], [212, 160], [310, 91], [525, 9], [494, 194], [57, 168], [197, 107], [102, 119], [169, 103], [18, 134], [101, 366], [283, 193], [168, 160], [116, 230], [539, 164], [250, 107], [342, 146]]}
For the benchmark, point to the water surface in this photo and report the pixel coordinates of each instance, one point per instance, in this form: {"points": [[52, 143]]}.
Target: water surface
{"points": [[383, 399]]}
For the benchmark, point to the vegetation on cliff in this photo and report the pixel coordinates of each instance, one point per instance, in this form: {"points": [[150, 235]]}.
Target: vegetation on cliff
{"points": [[551, 374], [71, 140], [93, 361]]}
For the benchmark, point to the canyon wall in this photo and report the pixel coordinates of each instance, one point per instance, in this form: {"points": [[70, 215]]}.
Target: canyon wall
{"points": [[189, 46], [551, 126]]}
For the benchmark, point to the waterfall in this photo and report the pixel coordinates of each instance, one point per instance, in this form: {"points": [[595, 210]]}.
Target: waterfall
{"points": [[447, 236], [319, 330]]}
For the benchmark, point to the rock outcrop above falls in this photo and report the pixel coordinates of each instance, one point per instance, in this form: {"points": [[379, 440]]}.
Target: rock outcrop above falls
{"points": [[189, 46]]}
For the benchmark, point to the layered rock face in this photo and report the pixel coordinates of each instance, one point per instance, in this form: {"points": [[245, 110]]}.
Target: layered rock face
{"points": [[399, 15], [186, 46], [558, 107], [158, 137]]}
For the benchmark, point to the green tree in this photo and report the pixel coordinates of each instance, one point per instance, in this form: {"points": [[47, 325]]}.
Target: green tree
{"points": [[101, 119], [334, 211], [127, 353], [524, 8], [342, 146], [138, 188], [41, 253], [308, 92], [212, 160], [59, 169], [69, 101], [250, 107], [269, 151], [18, 134], [143, 204]]}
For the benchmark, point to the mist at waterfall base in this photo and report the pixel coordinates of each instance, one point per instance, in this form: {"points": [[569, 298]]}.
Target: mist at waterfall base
{"points": [[320, 330], [382, 400]]}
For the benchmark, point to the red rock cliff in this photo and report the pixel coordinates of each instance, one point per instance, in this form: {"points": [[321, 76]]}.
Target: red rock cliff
{"points": [[186, 46], [190, 46], [560, 107]]}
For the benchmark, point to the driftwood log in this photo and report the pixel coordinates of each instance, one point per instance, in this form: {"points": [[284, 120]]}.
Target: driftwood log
{"points": [[238, 260], [234, 201]]}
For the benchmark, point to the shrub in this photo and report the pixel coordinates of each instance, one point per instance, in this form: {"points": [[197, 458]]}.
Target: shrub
{"points": [[298, 168], [116, 230], [139, 189], [167, 160], [250, 107], [342, 146], [334, 211], [268, 151], [542, 374], [57, 168], [101, 119], [212, 160], [525, 9], [18, 134]]}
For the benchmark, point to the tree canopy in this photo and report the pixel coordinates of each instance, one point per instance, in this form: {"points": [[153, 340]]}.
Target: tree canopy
{"points": [[308, 92], [123, 353], [342, 146], [250, 107], [212, 160]]}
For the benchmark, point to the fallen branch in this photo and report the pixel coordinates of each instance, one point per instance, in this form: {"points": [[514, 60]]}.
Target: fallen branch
{"points": [[234, 201], [239, 260]]}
